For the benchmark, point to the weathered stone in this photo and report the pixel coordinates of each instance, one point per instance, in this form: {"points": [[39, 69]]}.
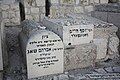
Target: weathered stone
{"points": [[34, 10], [97, 1], [85, 2], [63, 77], [113, 47], [104, 1], [40, 2], [12, 14], [67, 1], [5, 14], [102, 32], [79, 56], [101, 48], [29, 17], [5, 7], [8, 1], [100, 15], [89, 8], [79, 9], [54, 1], [27, 10], [15, 7], [77, 2], [54, 12]]}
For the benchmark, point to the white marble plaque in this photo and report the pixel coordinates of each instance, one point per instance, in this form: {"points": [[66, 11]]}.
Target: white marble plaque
{"points": [[44, 54], [78, 34]]}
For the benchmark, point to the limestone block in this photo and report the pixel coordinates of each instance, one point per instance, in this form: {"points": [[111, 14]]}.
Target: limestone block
{"points": [[34, 10], [15, 21], [79, 9], [42, 10], [42, 16], [113, 46], [77, 2], [54, 12], [5, 7], [54, 1], [89, 8], [29, 17], [67, 1], [8, 1], [91, 1], [84, 2], [40, 2], [79, 56], [27, 10], [104, 1], [15, 7], [35, 17], [17, 14], [96, 1], [101, 48], [12, 14], [5, 14]]}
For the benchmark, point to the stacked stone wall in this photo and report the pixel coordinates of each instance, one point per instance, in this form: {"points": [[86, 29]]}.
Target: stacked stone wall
{"points": [[10, 13]]}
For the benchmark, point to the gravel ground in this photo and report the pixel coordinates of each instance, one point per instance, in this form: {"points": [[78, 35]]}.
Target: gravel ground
{"points": [[17, 71]]}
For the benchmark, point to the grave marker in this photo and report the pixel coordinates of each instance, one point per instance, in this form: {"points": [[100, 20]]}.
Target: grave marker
{"points": [[44, 52]]}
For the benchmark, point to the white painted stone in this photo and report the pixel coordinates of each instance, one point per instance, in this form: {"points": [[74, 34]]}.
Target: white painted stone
{"points": [[71, 34], [40, 2], [101, 48], [34, 10], [104, 1], [79, 9], [43, 50]]}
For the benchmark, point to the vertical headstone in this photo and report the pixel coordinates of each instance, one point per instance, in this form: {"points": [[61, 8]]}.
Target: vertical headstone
{"points": [[43, 50]]}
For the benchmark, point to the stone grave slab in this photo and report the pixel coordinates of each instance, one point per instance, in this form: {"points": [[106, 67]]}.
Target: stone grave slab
{"points": [[103, 33], [71, 34], [43, 50]]}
